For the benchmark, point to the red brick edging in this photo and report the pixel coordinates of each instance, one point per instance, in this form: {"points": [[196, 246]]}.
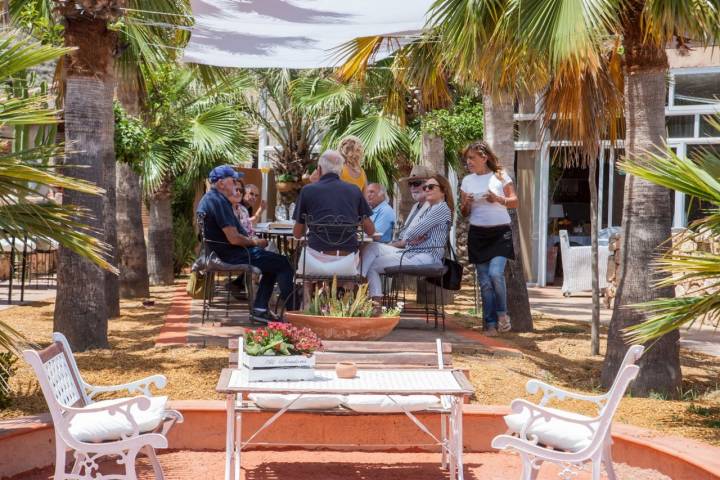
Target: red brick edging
{"points": [[175, 329]]}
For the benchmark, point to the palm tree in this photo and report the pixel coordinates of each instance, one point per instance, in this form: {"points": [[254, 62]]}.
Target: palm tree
{"points": [[193, 128], [577, 45], [85, 298], [698, 177], [27, 175], [342, 109], [146, 43]]}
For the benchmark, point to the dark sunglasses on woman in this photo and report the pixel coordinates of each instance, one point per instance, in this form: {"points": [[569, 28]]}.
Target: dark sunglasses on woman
{"points": [[430, 186]]}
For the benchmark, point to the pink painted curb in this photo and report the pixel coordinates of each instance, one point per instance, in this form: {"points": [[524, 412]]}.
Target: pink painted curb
{"points": [[27, 443]]}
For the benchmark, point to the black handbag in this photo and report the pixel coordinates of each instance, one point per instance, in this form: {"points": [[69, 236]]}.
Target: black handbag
{"points": [[452, 279]]}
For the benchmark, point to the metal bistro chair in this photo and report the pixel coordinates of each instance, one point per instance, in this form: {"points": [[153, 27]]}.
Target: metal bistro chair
{"points": [[394, 283], [334, 231], [211, 265]]}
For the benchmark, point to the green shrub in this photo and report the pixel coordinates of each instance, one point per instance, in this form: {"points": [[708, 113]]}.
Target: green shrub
{"points": [[185, 240]]}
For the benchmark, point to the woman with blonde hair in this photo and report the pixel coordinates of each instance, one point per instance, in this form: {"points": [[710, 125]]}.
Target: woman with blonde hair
{"points": [[485, 196], [352, 150]]}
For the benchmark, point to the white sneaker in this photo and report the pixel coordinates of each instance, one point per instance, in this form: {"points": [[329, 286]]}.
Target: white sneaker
{"points": [[504, 324]]}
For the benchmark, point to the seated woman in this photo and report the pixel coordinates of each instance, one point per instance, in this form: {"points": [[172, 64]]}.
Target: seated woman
{"points": [[425, 239]]}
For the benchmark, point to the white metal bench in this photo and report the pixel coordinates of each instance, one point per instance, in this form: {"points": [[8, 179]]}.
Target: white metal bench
{"points": [[93, 429], [542, 434]]}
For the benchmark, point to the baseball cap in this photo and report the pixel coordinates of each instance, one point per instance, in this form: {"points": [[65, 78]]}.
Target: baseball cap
{"points": [[419, 172], [224, 171]]}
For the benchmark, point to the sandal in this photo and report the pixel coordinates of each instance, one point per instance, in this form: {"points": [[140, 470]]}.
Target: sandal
{"points": [[504, 324]]}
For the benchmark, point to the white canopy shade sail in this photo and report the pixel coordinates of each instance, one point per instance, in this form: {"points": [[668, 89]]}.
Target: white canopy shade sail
{"points": [[292, 33]]}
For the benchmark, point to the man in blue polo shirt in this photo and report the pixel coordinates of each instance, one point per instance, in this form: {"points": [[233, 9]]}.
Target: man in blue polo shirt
{"points": [[383, 216], [226, 237]]}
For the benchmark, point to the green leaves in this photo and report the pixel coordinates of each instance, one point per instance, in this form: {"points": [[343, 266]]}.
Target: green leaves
{"points": [[457, 126], [697, 271]]}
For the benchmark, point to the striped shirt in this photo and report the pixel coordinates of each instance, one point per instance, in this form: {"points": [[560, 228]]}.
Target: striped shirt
{"points": [[432, 225]]}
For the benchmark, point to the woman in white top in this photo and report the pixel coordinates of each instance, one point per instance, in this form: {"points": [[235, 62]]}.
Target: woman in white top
{"points": [[425, 239], [485, 195]]}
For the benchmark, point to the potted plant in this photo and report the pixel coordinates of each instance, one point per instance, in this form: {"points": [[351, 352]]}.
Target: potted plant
{"points": [[285, 182], [280, 351], [349, 316]]}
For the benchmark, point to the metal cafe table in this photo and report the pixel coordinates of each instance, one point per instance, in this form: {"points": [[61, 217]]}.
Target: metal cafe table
{"points": [[450, 385]]}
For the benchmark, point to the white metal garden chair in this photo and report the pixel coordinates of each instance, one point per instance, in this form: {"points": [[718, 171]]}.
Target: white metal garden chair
{"points": [[93, 429], [542, 434]]}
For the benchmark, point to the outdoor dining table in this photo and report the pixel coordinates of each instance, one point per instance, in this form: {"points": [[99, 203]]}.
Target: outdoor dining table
{"points": [[450, 385], [283, 237]]}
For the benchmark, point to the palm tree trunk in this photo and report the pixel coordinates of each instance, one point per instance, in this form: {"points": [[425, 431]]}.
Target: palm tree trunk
{"points": [[132, 252], [112, 282], [433, 153], [81, 309], [499, 135], [647, 216], [160, 237], [595, 320]]}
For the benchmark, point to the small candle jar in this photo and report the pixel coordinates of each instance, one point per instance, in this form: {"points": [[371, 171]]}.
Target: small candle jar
{"points": [[345, 369]]}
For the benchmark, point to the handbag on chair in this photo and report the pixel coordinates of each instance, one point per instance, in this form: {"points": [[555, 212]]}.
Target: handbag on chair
{"points": [[452, 278]]}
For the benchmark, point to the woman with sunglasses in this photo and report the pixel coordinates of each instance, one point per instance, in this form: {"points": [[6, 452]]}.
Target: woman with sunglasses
{"points": [[485, 196], [425, 239]]}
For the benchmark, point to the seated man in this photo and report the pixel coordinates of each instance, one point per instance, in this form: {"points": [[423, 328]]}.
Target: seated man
{"points": [[383, 216], [225, 237], [331, 201]]}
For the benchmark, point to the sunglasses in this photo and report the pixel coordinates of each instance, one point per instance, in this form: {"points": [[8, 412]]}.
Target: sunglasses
{"points": [[239, 190], [430, 187], [252, 193], [415, 183]]}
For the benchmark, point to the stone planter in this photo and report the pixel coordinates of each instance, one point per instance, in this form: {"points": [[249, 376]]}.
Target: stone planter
{"points": [[345, 328]]}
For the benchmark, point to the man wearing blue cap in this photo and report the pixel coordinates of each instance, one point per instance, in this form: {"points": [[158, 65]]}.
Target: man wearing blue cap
{"points": [[226, 235]]}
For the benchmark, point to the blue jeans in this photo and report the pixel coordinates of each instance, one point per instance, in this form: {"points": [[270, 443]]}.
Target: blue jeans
{"points": [[274, 268], [491, 276]]}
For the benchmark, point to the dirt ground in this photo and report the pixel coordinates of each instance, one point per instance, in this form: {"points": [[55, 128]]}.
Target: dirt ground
{"points": [[556, 352]]}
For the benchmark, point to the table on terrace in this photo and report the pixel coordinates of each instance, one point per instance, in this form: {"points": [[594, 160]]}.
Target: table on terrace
{"points": [[450, 385]]}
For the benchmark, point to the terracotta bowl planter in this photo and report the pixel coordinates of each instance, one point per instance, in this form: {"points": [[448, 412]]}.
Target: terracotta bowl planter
{"points": [[345, 328], [285, 186]]}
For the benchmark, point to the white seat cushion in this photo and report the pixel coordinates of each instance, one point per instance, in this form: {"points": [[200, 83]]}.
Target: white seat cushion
{"points": [[556, 433], [276, 401], [101, 426], [313, 262], [383, 404]]}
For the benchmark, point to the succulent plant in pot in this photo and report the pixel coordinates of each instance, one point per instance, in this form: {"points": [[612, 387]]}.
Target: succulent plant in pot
{"points": [[346, 316]]}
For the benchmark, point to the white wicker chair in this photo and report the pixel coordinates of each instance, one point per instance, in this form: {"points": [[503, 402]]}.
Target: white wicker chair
{"points": [[577, 271], [541, 434], [120, 428]]}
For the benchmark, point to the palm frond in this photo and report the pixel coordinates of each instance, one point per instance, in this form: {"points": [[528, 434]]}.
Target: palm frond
{"points": [[699, 271]]}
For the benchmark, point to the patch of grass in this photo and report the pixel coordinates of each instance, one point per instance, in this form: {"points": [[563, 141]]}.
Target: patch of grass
{"points": [[566, 329], [711, 415]]}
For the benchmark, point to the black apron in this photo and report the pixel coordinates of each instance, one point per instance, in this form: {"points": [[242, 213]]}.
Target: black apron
{"points": [[486, 243]]}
